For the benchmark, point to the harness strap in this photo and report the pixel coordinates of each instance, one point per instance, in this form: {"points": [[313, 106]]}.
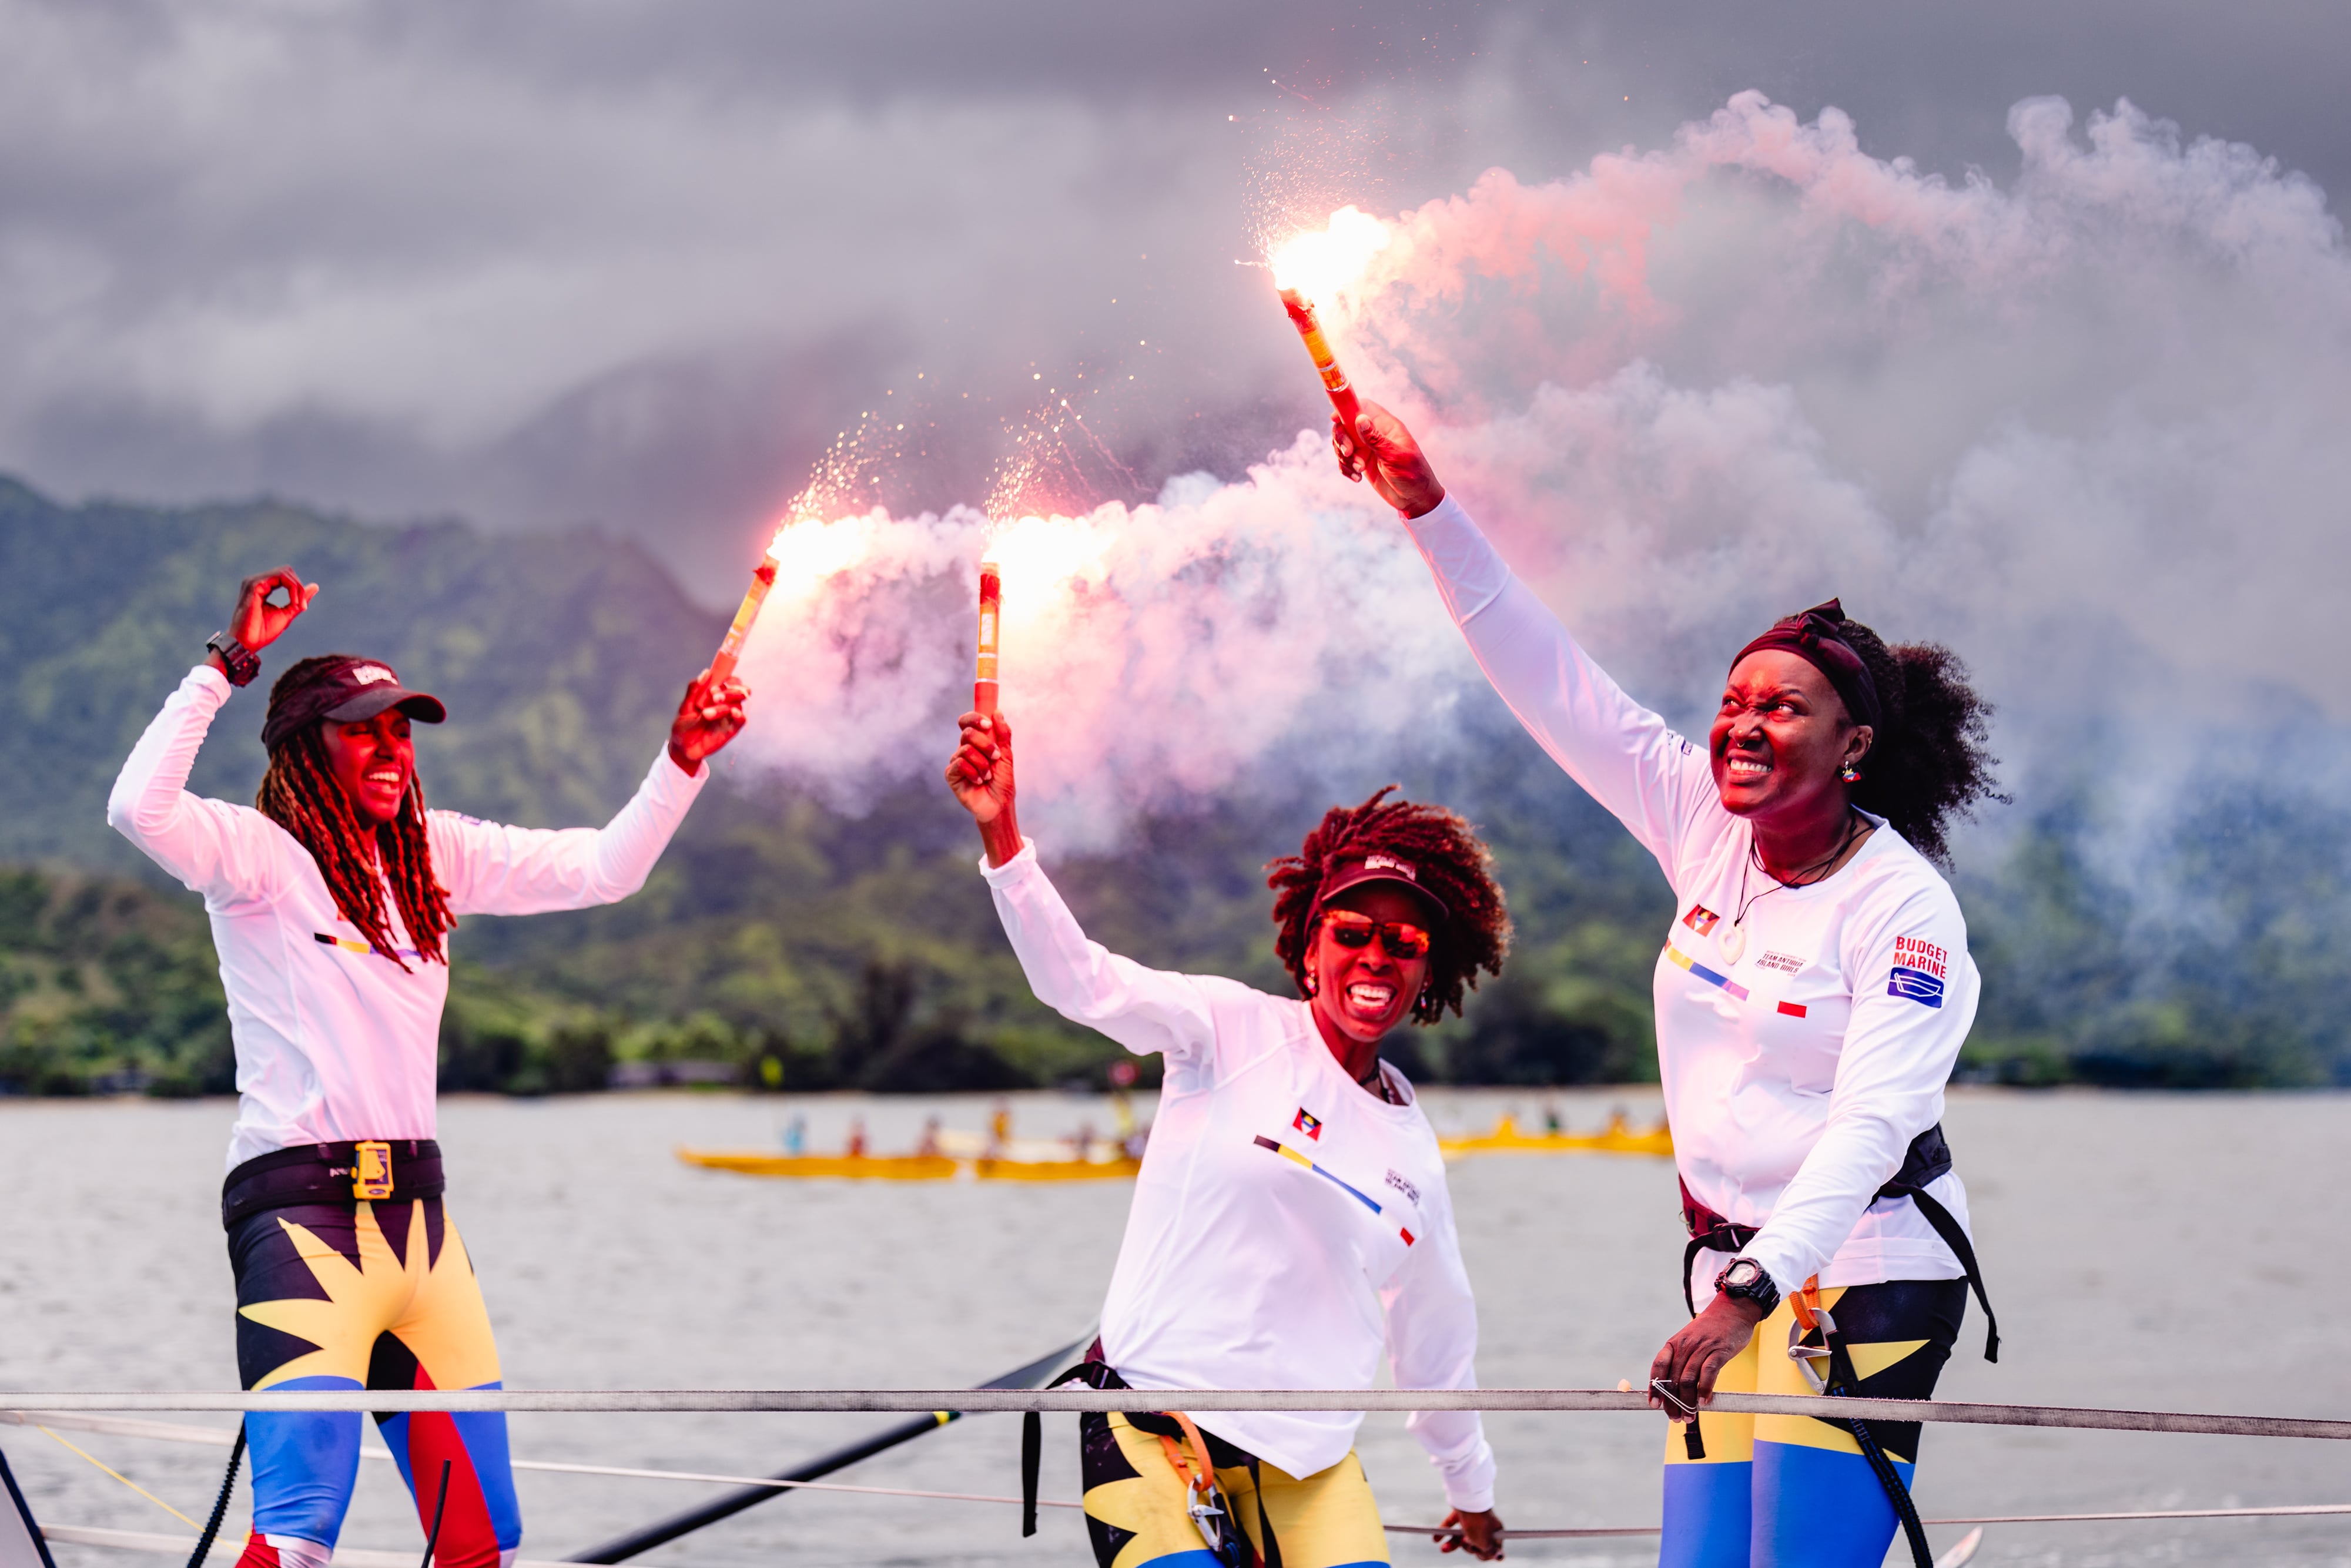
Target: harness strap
{"points": [[1842, 1380], [1095, 1372], [1956, 1238], [1271, 1556], [1032, 1433], [1928, 1158]]}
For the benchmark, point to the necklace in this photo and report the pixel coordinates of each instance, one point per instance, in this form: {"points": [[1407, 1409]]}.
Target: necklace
{"points": [[1376, 1082], [1733, 942]]}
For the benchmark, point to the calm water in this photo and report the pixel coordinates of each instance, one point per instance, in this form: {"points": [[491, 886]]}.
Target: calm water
{"points": [[2145, 1251]]}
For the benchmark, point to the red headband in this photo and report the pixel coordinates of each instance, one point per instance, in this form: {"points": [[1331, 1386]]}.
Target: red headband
{"points": [[1817, 637]]}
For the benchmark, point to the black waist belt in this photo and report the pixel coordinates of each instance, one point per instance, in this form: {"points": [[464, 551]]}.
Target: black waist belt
{"points": [[1928, 1159], [377, 1170]]}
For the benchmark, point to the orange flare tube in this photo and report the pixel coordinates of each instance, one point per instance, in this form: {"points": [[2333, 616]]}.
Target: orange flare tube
{"points": [[730, 651], [991, 616], [1334, 380]]}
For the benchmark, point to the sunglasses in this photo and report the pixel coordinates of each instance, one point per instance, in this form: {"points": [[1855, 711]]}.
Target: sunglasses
{"points": [[1349, 929]]}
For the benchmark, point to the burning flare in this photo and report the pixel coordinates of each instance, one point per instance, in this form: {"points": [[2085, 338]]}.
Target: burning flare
{"points": [[730, 650], [991, 607], [1309, 265], [1322, 266]]}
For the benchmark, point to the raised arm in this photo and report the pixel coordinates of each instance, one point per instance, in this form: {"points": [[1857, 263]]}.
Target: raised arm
{"points": [[1433, 1344], [1145, 1010], [492, 869], [221, 851], [1652, 780]]}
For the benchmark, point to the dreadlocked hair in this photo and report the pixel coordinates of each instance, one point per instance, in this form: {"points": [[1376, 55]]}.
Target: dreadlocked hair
{"points": [[300, 795], [1931, 761], [1454, 868]]}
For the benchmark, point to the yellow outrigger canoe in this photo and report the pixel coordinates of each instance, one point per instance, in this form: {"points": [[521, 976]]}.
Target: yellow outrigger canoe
{"points": [[864, 1167], [1506, 1139], [907, 1168]]}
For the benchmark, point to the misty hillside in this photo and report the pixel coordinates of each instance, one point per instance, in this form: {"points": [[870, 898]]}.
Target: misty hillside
{"points": [[808, 949]]}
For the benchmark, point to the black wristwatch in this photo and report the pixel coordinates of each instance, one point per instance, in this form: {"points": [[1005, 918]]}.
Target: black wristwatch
{"points": [[243, 662], [1747, 1280]]}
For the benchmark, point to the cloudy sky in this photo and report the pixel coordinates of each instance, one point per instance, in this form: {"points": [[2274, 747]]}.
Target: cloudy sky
{"points": [[635, 265]]}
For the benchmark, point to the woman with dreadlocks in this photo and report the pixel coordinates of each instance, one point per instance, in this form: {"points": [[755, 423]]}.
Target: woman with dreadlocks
{"points": [[330, 905], [1291, 1224], [1810, 1002]]}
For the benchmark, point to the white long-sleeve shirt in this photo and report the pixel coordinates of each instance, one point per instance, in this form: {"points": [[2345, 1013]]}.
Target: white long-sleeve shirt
{"points": [[1288, 1228], [335, 1042], [1804, 1034]]}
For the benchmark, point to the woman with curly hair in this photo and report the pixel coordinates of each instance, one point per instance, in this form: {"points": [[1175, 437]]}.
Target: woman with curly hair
{"points": [[1811, 998], [332, 901], [1291, 1224]]}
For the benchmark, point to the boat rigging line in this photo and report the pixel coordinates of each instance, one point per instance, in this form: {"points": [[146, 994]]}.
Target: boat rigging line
{"points": [[946, 1404], [215, 1436], [937, 1414]]}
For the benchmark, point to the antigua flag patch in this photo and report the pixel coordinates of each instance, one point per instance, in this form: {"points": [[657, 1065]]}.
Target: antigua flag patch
{"points": [[1916, 984], [1310, 1124], [1702, 919]]}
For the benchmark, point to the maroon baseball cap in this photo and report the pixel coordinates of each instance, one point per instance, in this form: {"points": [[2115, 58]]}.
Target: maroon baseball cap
{"points": [[1377, 866], [340, 689]]}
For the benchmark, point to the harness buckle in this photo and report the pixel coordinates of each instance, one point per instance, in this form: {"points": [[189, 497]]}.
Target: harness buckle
{"points": [[371, 1169], [1804, 1355]]}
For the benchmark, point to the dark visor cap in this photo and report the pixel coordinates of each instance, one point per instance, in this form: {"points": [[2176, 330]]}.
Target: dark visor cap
{"points": [[1375, 868], [340, 689]]}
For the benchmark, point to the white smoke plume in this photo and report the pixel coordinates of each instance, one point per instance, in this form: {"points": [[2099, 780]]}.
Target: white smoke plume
{"points": [[2082, 424]]}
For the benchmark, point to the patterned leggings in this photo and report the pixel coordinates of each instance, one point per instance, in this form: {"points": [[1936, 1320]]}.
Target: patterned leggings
{"points": [[367, 1295], [1777, 1491], [1135, 1504]]}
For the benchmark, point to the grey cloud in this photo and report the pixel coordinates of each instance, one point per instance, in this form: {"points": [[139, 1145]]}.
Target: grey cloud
{"points": [[635, 264]]}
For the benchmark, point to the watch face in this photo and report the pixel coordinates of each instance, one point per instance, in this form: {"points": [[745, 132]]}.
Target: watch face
{"points": [[1744, 1272]]}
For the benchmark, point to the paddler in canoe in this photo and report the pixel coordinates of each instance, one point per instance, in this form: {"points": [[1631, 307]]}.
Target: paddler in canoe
{"points": [[1291, 1227]]}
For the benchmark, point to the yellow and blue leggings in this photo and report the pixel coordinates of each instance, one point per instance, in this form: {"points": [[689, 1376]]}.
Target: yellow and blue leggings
{"points": [[1778, 1491], [1135, 1504], [367, 1295]]}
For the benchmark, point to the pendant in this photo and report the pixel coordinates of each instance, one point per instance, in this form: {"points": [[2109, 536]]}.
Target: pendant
{"points": [[1732, 940]]}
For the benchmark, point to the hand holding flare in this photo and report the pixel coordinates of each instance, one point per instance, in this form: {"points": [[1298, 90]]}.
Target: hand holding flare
{"points": [[712, 713], [980, 774], [1379, 448]]}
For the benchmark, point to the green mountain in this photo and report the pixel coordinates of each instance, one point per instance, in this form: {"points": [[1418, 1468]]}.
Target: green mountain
{"points": [[802, 949]]}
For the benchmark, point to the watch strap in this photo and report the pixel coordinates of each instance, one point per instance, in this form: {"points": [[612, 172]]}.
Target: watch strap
{"points": [[1762, 1289], [243, 662]]}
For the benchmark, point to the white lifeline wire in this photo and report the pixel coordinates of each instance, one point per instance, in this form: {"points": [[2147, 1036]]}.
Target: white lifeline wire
{"points": [[172, 1432], [983, 1401], [214, 1437]]}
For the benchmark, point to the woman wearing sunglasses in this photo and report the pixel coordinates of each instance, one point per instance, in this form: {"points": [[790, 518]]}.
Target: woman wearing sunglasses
{"points": [[1811, 998], [1290, 1225]]}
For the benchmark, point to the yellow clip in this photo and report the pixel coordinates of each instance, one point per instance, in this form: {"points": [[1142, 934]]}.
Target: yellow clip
{"points": [[370, 1170]]}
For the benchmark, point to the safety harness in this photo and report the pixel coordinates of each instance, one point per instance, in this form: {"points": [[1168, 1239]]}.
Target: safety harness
{"points": [[1211, 1510], [1929, 1158]]}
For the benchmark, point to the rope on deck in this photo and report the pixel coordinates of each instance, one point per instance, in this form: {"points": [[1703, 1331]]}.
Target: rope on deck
{"points": [[978, 1401]]}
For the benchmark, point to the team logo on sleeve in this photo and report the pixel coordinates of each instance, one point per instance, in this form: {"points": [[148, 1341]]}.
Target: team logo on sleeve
{"points": [[1702, 919], [1308, 1123], [1920, 967]]}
